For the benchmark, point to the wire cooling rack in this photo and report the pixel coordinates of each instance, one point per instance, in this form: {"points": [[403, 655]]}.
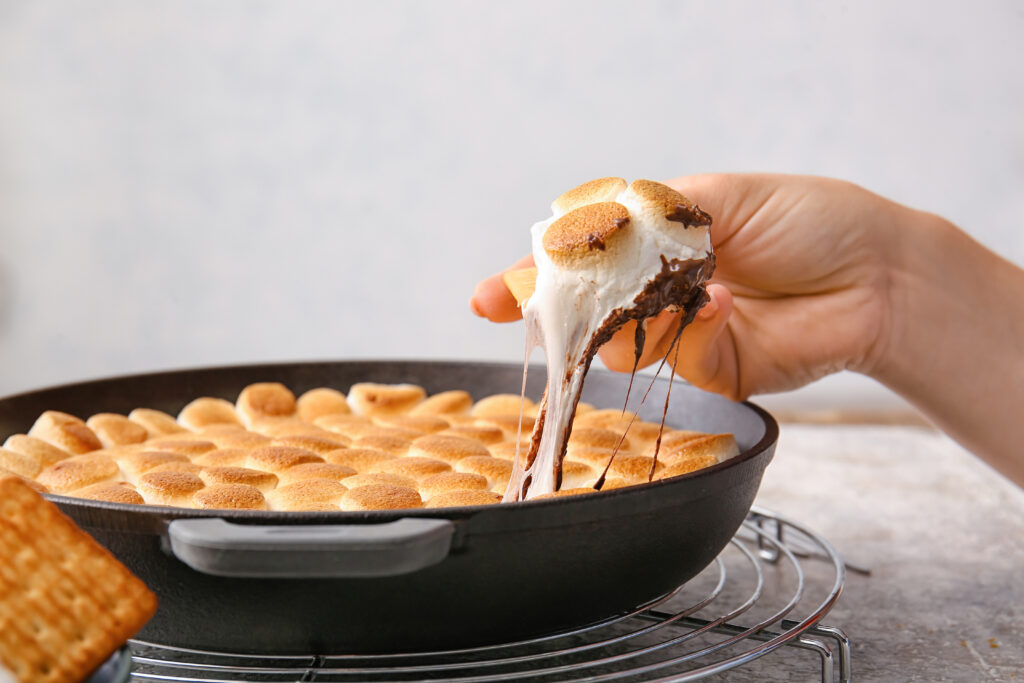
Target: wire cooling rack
{"points": [[765, 594]]}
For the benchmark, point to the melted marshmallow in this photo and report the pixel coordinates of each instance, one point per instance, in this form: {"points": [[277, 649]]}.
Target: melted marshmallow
{"points": [[572, 303]]}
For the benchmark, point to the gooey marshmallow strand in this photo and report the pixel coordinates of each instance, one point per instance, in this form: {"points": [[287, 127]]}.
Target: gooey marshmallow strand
{"points": [[569, 306]]}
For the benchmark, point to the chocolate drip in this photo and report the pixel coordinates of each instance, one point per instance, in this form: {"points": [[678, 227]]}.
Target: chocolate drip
{"points": [[680, 283]]}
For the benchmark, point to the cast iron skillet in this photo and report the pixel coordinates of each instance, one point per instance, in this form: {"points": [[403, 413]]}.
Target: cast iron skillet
{"points": [[343, 582]]}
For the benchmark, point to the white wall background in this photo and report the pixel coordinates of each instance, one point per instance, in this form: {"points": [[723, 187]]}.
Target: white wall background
{"points": [[194, 183]]}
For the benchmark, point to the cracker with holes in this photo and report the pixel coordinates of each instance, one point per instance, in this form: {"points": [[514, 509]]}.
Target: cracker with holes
{"points": [[65, 603]]}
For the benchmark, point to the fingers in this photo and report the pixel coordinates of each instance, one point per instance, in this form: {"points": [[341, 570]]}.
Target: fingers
{"points": [[493, 301], [707, 358]]}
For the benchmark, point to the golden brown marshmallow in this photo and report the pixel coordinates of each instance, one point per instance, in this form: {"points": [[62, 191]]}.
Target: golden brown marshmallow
{"points": [[580, 234], [66, 432], [155, 422], [263, 481], [449, 449], [265, 399], [445, 403], [229, 497], [276, 459], [206, 411], [380, 497], [169, 488], [590, 192], [111, 492], [319, 402], [299, 495], [359, 459], [368, 398], [463, 498], [46, 454], [78, 472], [415, 468], [116, 430], [316, 470]]}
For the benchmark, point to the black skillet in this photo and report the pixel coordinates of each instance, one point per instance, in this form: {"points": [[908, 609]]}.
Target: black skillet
{"points": [[344, 582]]}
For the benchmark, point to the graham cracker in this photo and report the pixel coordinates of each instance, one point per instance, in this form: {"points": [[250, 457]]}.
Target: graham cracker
{"points": [[66, 604]]}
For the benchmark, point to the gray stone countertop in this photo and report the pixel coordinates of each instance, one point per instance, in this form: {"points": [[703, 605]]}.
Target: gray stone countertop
{"points": [[942, 534]]}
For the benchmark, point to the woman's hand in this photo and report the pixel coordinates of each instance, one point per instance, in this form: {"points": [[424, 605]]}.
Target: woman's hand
{"points": [[792, 253]]}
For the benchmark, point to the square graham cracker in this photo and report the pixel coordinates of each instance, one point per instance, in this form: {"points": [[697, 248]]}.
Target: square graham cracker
{"points": [[65, 603]]}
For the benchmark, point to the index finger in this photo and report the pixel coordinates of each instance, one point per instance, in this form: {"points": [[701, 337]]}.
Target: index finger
{"points": [[493, 301]]}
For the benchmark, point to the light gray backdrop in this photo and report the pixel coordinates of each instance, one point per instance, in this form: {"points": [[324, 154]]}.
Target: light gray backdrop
{"points": [[193, 183]]}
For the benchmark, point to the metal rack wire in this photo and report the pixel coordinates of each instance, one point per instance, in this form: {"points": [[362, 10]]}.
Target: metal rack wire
{"points": [[768, 590]]}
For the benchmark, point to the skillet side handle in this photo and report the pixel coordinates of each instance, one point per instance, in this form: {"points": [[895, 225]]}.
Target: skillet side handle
{"points": [[215, 546]]}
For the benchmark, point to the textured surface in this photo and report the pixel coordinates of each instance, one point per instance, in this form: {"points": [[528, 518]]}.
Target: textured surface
{"points": [[944, 539]]}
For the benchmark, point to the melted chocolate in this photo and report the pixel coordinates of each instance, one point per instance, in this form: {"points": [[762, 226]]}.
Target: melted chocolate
{"points": [[680, 284], [689, 216]]}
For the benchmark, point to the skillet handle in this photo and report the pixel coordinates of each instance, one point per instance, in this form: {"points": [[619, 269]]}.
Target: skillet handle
{"points": [[215, 546]]}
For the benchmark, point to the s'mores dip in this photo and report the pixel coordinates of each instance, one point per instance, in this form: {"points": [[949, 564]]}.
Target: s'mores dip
{"points": [[611, 252], [367, 446]]}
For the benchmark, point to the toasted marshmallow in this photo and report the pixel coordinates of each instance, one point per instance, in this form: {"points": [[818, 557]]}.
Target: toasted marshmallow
{"points": [[482, 433], [351, 426], [577, 475], [681, 467], [359, 459], [66, 432], [463, 498], [229, 497], [426, 424], [316, 470], [169, 488], [259, 479], [301, 494], [357, 480], [37, 449], [495, 470], [506, 450], [23, 465], [238, 438], [134, 465], [111, 492], [671, 441], [206, 411], [446, 482], [635, 469], [375, 400], [446, 403], [718, 446], [414, 468], [173, 444], [116, 430], [317, 444], [503, 404], [78, 472], [596, 437], [186, 467], [447, 448], [380, 497], [591, 192], [317, 403], [596, 458], [223, 457], [510, 426], [279, 458], [155, 422], [388, 439], [265, 399], [600, 264]]}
